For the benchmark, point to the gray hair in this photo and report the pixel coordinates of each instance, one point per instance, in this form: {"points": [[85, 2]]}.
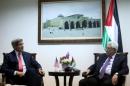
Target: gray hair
{"points": [[15, 42], [113, 44]]}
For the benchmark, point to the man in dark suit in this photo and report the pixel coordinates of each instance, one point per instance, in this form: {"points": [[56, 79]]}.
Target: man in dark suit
{"points": [[107, 71], [20, 68]]}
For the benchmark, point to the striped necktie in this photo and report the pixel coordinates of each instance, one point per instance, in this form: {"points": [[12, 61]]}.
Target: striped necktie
{"points": [[102, 71]]}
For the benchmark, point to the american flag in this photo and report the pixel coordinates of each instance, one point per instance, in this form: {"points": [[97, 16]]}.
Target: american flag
{"points": [[56, 63]]}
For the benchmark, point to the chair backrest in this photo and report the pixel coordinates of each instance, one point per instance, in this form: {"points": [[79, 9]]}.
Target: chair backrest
{"points": [[97, 56], [33, 55]]}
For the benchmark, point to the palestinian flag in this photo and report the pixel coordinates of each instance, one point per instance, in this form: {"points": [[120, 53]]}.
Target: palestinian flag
{"points": [[112, 30]]}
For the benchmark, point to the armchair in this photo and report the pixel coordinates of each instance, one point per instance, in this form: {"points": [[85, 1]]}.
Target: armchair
{"points": [[3, 83], [97, 56]]}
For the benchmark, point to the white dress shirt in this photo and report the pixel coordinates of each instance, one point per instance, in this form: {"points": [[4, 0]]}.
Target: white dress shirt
{"points": [[109, 66]]}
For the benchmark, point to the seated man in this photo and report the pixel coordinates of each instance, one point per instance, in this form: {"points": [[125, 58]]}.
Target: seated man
{"points": [[20, 68], [107, 70]]}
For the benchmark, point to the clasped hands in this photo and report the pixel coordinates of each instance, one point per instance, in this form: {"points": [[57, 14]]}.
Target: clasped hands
{"points": [[21, 74]]}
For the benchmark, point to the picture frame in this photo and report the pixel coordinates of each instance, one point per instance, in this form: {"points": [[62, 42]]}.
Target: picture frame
{"points": [[64, 21]]}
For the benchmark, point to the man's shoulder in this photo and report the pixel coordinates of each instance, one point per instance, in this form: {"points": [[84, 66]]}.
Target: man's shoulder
{"points": [[10, 53], [27, 53], [121, 56]]}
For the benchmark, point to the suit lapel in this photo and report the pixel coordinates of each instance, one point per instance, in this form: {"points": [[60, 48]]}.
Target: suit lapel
{"points": [[103, 60], [24, 58], [14, 57], [114, 63]]}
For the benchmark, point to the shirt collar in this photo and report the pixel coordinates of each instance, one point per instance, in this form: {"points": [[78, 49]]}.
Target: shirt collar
{"points": [[16, 52], [113, 56]]}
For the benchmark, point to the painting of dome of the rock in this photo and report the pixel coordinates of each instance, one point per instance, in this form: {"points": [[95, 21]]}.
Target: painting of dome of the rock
{"points": [[72, 20]]}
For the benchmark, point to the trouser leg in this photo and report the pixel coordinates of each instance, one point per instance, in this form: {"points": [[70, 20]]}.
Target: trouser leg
{"points": [[34, 79], [106, 81], [91, 81]]}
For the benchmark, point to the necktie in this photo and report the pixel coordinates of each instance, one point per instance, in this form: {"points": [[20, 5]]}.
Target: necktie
{"points": [[20, 66], [102, 71]]}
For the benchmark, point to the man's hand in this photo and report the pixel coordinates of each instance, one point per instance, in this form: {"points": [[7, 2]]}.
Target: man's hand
{"points": [[41, 72], [20, 74], [87, 71], [114, 79]]}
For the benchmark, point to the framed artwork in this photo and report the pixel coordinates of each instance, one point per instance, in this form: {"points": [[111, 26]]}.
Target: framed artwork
{"points": [[64, 21]]}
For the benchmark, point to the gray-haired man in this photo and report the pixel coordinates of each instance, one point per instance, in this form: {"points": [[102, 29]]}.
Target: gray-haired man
{"points": [[20, 68], [108, 69]]}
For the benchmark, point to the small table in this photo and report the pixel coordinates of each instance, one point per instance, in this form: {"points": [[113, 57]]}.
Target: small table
{"points": [[64, 74]]}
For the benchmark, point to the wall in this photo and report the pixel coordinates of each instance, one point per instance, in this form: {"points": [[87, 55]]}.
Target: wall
{"points": [[19, 19]]}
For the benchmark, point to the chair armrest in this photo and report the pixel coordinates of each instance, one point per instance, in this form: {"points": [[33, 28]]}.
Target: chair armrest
{"points": [[3, 78], [86, 76]]}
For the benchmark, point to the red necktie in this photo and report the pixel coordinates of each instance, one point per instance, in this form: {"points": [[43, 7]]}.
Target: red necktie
{"points": [[20, 66]]}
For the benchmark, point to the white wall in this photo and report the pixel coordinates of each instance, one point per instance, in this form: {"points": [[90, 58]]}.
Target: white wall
{"points": [[19, 19]]}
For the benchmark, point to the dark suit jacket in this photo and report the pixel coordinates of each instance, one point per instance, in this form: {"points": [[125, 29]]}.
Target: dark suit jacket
{"points": [[11, 63], [119, 65]]}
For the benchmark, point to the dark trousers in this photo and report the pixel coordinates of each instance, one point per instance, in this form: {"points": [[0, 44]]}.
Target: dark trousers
{"points": [[95, 81], [31, 78]]}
